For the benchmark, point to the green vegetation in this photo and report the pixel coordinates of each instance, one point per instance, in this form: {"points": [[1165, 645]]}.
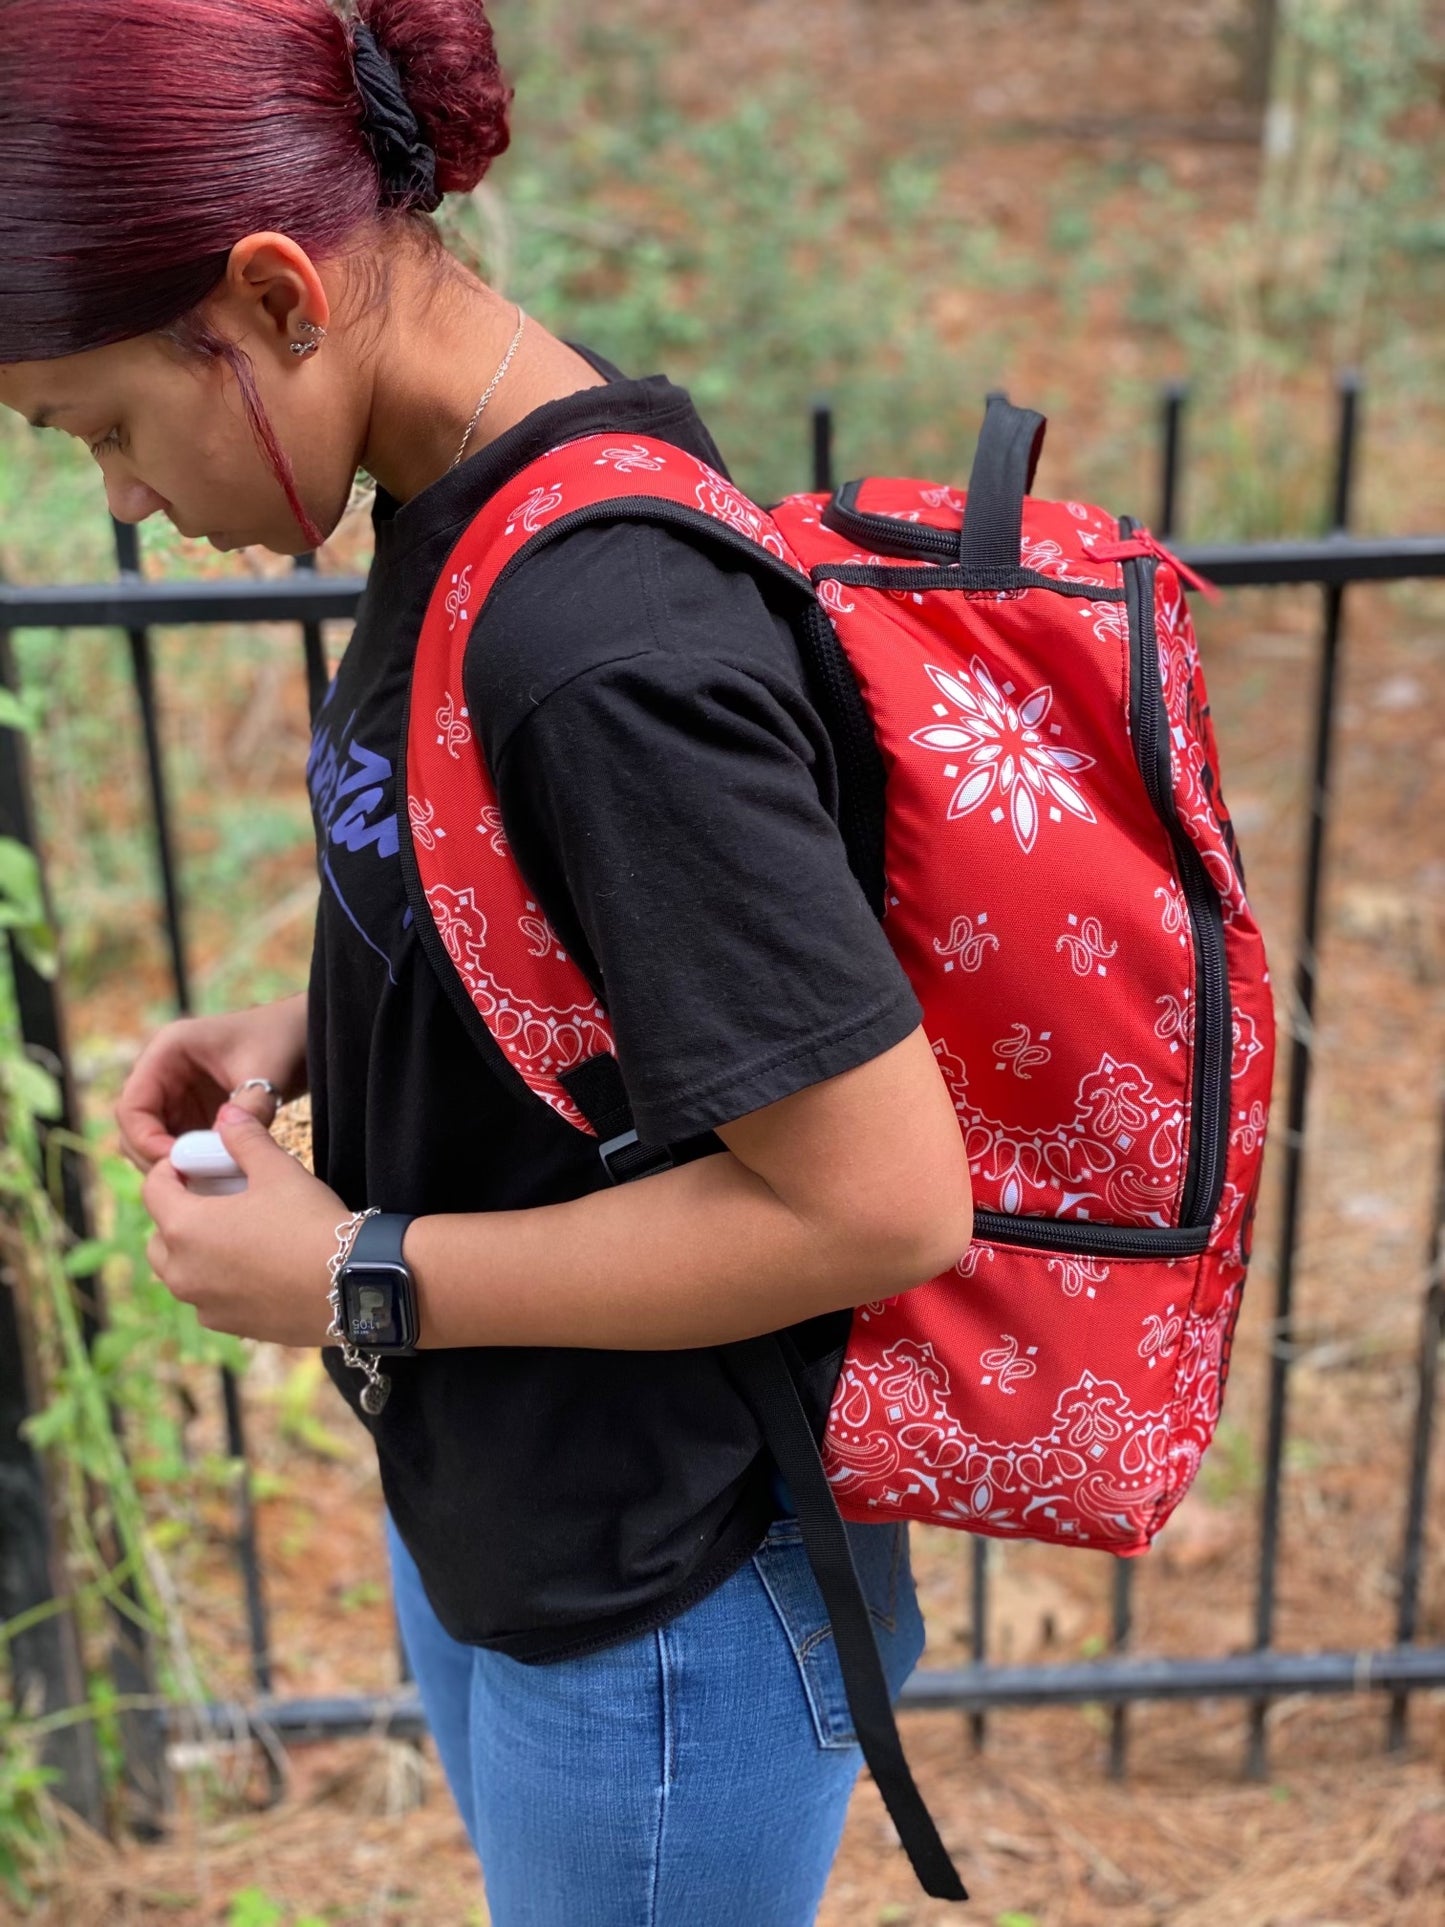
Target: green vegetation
{"points": [[253, 1908], [120, 1507]]}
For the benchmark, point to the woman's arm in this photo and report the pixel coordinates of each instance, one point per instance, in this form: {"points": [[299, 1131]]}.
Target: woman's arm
{"points": [[853, 1189]]}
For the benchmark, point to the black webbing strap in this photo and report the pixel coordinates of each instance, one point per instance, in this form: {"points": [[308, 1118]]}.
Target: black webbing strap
{"points": [[763, 1374], [1009, 447], [595, 1086]]}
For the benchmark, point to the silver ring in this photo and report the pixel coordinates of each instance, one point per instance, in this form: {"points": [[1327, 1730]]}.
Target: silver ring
{"points": [[258, 1083]]}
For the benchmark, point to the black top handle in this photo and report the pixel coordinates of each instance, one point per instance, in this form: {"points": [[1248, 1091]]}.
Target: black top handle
{"points": [[1009, 447]]}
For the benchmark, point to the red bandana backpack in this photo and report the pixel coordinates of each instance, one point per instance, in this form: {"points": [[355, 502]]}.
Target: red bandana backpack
{"points": [[1031, 800]]}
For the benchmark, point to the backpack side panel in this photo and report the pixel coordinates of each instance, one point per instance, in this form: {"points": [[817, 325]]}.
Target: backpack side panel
{"points": [[1061, 948]]}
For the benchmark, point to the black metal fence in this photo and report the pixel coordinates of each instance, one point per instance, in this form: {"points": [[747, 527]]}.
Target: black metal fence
{"points": [[1333, 563]]}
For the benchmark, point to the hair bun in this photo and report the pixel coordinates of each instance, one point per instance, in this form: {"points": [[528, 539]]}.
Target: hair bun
{"points": [[445, 58]]}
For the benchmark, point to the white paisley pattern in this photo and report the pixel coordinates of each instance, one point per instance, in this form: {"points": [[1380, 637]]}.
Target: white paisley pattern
{"points": [[636, 460], [717, 497], [540, 505], [458, 597], [541, 1041], [1117, 1157], [967, 943], [453, 726], [1093, 1474]]}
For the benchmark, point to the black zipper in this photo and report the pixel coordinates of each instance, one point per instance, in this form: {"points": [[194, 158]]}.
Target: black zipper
{"points": [[1090, 1240], [883, 533], [1213, 1022]]}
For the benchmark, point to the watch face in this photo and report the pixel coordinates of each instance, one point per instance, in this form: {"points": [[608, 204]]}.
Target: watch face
{"points": [[375, 1306]]}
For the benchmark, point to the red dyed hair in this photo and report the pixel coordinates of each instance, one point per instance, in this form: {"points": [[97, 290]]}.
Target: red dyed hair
{"points": [[141, 139]]}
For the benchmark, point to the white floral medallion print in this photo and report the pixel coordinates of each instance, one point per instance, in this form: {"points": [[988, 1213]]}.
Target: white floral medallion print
{"points": [[1003, 752]]}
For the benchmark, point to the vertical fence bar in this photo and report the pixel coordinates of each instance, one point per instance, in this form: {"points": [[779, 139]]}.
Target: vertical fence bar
{"points": [[1306, 982], [257, 1618], [1427, 1378], [127, 549], [978, 1628], [1171, 448], [1120, 1631], [318, 675], [823, 482], [127, 545]]}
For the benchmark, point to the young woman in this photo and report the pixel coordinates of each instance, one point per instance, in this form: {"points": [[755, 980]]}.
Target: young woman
{"points": [[218, 270]]}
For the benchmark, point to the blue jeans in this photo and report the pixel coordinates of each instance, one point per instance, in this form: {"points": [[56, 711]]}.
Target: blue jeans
{"points": [[696, 1776]]}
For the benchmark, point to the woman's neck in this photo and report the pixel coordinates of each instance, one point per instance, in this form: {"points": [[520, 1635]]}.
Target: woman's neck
{"points": [[439, 356]]}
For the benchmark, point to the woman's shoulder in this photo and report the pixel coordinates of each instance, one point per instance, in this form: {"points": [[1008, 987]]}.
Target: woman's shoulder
{"points": [[630, 597]]}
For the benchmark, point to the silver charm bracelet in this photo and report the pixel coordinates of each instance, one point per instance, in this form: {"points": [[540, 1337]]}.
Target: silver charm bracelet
{"points": [[377, 1389]]}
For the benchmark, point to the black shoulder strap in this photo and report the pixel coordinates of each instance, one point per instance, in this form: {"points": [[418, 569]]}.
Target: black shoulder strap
{"points": [[1003, 473], [765, 1378], [763, 1373]]}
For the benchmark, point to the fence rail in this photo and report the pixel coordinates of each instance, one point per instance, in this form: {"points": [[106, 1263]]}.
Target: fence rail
{"points": [[1333, 563]]}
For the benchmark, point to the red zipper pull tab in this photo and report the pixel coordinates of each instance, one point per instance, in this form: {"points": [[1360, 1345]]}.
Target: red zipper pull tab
{"points": [[1141, 543]]}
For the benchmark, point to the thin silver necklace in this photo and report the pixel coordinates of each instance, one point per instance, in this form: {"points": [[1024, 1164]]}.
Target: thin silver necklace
{"points": [[492, 386], [365, 496]]}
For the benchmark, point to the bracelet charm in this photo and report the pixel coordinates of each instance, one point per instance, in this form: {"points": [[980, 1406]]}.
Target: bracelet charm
{"points": [[377, 1389]]}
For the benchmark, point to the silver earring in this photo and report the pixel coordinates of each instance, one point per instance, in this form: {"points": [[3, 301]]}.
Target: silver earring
{"points": [[318, 335]]}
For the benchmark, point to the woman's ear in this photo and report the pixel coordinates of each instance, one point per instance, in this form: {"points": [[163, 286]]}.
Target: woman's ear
{"points": [[274, 286]]}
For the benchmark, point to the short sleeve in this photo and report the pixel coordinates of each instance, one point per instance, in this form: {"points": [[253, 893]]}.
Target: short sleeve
{"points": [[670, 804]]}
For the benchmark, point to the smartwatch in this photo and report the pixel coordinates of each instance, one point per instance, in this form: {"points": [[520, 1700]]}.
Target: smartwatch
{"points": [[378, 1292]]}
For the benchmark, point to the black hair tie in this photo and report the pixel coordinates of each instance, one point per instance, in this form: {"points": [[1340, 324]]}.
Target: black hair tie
{"points": [[406, 161]]}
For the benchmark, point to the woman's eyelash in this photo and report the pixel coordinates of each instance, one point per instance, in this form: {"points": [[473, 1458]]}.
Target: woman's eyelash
{"points": [[112, 440]]}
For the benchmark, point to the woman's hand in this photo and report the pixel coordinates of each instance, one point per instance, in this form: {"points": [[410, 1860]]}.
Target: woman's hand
{"points": [[254, 1264], [189, 1069]]}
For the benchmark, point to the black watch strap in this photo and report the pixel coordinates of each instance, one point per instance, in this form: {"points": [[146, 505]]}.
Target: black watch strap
{"points": [[379, 1240], [379, 1318]]}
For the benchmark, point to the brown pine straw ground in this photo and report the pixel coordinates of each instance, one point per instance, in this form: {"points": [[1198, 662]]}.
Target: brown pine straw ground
{"points": [[1340, 1835]]}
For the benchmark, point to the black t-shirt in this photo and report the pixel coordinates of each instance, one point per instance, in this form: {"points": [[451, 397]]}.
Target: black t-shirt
{"points": [[669, 793]]}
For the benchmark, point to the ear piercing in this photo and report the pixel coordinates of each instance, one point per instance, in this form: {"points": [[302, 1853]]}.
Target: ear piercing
{"points": [[318, 335]]}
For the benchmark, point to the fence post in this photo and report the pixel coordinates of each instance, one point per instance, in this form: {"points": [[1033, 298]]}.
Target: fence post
{"points": [[1171, 449], [1427, 1379], [1302, 1018], [823, 482]]}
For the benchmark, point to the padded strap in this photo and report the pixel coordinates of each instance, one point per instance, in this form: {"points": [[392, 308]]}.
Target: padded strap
{"points": [[991, 543], [764, 1375]]}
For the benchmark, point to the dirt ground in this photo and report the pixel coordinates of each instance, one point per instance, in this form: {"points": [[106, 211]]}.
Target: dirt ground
{"points": [[1341, 1832]]}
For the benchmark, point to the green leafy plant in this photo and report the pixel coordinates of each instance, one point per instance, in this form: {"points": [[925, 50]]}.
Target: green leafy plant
{"points": [[255, 1908], [27, 1833], [112, 1549]]}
